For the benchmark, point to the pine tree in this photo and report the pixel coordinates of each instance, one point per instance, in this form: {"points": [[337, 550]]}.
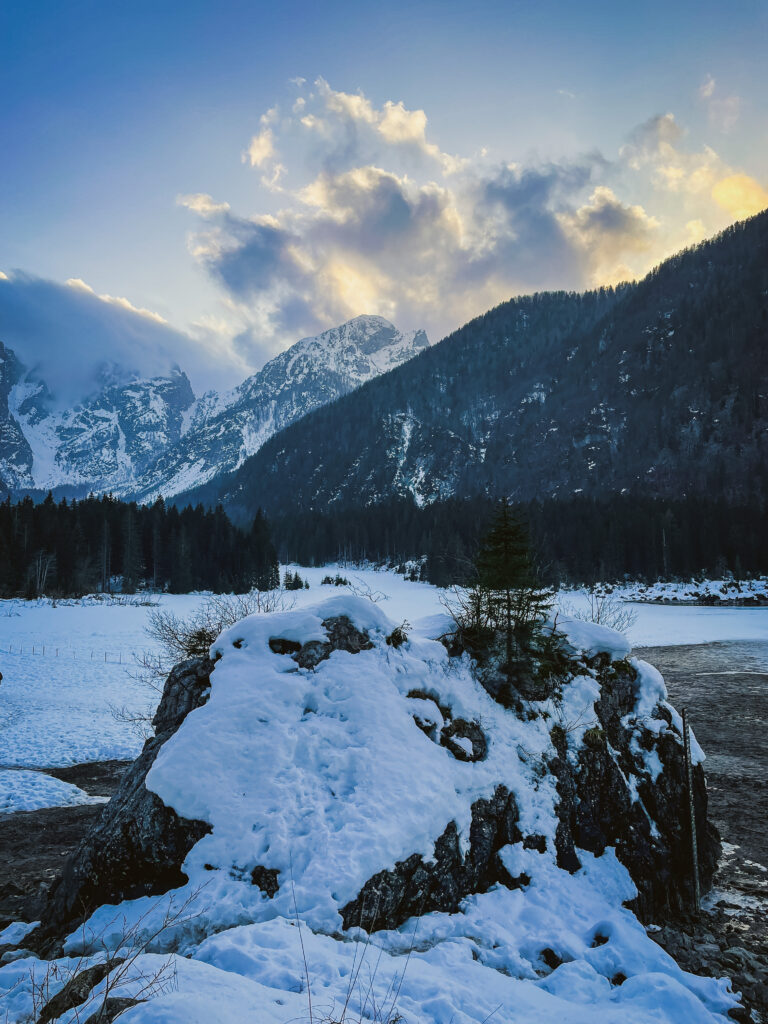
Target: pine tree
{"points": [[506, 581]]}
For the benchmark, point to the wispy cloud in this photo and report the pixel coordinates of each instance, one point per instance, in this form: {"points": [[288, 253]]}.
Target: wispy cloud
{"points": [[723, 111]]}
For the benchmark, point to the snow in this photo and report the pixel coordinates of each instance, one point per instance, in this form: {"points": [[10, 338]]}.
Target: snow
{"points": [[150, 436], [661, 625], [23, 790], [593, 638], [57, 709], [67, 668], [15, 932], [326, 777], [462, 967], [302, 734]]}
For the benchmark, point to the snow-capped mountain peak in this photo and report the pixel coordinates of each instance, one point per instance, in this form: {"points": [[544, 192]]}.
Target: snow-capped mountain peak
{"points": [[151, 437]]}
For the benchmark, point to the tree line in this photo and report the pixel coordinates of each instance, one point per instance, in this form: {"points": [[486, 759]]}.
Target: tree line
{"points": [[574, 540], [70, 548]]}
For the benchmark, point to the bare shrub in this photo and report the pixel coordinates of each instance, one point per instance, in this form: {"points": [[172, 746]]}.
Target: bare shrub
{"points": [[605, 610], [360, 588], [87, 987], [180, 638]]}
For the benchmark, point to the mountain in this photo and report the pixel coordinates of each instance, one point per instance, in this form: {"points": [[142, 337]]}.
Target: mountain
{"points": [[142, 438], [16, 458], [104, 444], [657, 388], [222, 431]]}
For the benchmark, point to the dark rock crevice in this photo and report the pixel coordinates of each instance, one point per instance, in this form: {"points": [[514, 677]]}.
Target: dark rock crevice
{"points": [[415, 886]]}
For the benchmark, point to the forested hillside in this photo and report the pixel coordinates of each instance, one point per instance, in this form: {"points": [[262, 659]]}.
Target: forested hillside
{"points": [[658, 389]]}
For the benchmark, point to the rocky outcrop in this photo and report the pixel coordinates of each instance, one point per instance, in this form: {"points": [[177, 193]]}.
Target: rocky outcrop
{"points": [[137, 846], [597, 809], [342, 636], [607, 797], [76, 990]]}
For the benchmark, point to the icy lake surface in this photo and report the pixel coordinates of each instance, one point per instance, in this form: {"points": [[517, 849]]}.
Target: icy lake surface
{"points": [[71, 675]]}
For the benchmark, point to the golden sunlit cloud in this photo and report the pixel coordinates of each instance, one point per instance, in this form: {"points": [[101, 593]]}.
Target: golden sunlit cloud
{"points": [[740, 195], [375, 217]]}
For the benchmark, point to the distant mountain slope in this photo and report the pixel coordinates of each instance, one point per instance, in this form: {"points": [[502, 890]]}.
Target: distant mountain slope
{"points": [[15, 452], [660, 387], [104, 444], [223, 431], [143, 438]]}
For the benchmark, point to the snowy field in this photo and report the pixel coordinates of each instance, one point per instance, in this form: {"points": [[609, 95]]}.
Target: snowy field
{"points": [[67, 668]]}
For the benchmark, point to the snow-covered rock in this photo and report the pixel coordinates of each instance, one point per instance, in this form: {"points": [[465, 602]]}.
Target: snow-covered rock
{"points": [[376, 832]]}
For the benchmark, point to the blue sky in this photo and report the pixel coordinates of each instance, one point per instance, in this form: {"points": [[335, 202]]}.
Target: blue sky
{"points": [[418, 160]]}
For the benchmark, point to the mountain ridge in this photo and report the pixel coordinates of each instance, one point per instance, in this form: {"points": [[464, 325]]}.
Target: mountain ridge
{"points": [[658, 387], [141, 438]]}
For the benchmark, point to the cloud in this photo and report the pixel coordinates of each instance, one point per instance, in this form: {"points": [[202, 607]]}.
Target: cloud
{"points": [[723, 111], [609, 231], [375, 216], [705, 183], [202, 203], [655, 147], [67, 333], [262, 148], [77, 282], [740, 195], [652, 140], [707, 88]]}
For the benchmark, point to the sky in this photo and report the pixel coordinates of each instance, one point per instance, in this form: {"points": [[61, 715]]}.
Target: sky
{"points": [[204, 184]]}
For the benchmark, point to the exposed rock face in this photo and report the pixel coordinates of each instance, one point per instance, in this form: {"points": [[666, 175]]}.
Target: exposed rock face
{"points": [[342, 636], [226, 429], [138, 845], [596, 810], [416, 887], [15, 452], [651, 833]]}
